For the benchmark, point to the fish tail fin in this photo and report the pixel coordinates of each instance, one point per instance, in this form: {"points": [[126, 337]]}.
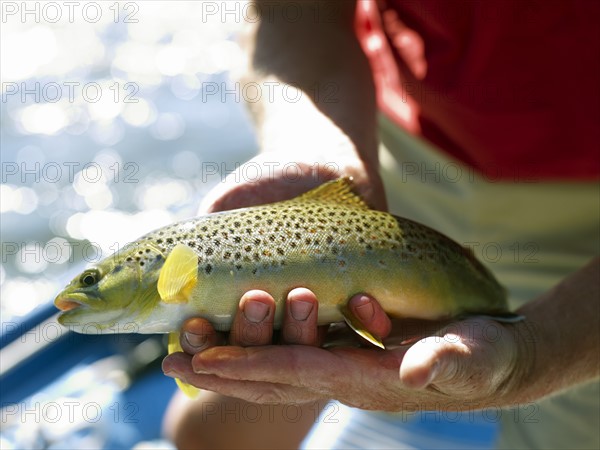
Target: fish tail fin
{"points": [[175, 346]]}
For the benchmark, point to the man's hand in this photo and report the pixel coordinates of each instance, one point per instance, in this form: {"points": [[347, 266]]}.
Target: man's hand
{"points": [[465, 365]]}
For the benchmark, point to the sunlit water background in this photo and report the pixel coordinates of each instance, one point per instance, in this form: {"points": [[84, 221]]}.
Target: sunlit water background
{"points": [[115, 121], [110, 129]]}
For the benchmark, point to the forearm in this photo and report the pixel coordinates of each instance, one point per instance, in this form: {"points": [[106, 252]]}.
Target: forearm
{"points": [[320, 55], [561, 336]]}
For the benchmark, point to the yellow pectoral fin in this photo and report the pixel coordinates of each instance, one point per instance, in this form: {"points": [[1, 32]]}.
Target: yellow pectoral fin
{"points": [[359, 328], [178, 275], [175, 346]]}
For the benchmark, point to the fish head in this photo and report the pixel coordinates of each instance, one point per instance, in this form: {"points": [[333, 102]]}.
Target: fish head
{"points": [[113, 295]]}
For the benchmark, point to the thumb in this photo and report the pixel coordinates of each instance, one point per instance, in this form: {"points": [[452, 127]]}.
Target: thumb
{"points": [[434, 360]]}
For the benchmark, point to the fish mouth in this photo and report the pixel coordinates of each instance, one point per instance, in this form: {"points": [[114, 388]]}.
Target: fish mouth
{"points": [[68, 303]]}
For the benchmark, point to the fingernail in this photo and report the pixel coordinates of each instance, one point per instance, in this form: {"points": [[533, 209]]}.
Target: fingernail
{"points": [[195, 340], [365, 312], [255, 311], [300, 310], [173, 374], [201, 371]]}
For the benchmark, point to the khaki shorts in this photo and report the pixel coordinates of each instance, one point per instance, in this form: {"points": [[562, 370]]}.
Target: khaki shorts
{"points": [[529, 233]]}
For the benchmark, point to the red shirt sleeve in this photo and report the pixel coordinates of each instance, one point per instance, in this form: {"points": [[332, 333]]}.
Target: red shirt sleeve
{"points": [[506, 86]]}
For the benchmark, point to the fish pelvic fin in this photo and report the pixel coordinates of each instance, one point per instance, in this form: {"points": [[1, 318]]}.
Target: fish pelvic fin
{"points": [[175, 346], [179, 275], [337, 191], [359, 328]]}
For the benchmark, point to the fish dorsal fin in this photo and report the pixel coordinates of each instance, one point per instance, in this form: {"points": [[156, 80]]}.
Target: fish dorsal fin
{"points": [[175, 346], [178, 275], [338, 191]]}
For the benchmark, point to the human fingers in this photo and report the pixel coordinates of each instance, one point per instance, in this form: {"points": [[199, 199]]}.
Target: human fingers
{"points": [[198, 334], [366, 378], [300, 319], [273, 186], [371, 315], [253, 323], [178, 366]]}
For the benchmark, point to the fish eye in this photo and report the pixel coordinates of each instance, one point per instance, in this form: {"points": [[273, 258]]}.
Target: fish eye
{"points": [[89, 277]]}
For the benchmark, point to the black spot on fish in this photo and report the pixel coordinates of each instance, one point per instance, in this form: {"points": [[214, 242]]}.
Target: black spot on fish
{"points": [[159, 241], [141, 263], [208, 269], [209, 251], [169, 240]]}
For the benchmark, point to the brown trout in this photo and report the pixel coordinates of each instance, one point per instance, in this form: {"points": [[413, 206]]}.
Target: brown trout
{"points": [[327, 240]]}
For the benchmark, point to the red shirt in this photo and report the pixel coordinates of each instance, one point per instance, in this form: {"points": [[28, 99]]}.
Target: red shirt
{"points": [[505, 86]]}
